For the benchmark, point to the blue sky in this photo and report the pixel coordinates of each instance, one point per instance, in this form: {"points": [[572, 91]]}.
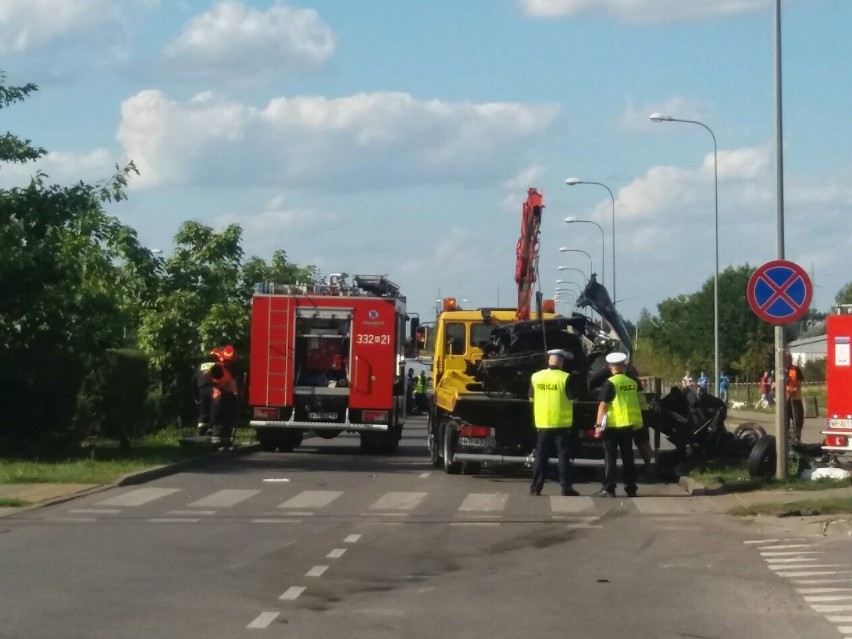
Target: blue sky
{"points": [[400, 137]]}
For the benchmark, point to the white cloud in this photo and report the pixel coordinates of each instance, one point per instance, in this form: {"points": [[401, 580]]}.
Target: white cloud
{"points": [[62, 168], [354, 142], [28, 24], [643, 11], [233, 37], [519, 183]]}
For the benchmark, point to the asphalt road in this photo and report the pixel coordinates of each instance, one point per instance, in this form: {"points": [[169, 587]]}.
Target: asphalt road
{"points": [[327, 542]]}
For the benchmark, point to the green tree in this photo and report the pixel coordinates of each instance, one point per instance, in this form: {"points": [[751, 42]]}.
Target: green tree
{"points": [[684, 327], [844, 295], [60, 258]]}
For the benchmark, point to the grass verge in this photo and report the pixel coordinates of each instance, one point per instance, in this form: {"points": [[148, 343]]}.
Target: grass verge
{"points": [[101, 463], [6, 502]]}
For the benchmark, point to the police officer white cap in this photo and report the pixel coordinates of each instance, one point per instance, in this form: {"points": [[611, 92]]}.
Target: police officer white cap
{"points": [[614, 359], [558, 352]]}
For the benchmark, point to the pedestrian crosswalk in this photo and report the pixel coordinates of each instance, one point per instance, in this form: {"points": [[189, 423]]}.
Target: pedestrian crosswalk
{"points": [[290, 504]]}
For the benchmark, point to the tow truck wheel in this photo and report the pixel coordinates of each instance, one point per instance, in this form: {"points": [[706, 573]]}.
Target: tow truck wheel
{"points": [[434, 444], [450, 438]]}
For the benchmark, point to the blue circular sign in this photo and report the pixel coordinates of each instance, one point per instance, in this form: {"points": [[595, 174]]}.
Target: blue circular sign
{"points": [[779, 292]]}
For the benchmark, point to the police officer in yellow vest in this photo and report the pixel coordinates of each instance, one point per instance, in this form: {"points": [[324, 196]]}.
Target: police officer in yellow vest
{"points": [[553, 410], [619, 414]]}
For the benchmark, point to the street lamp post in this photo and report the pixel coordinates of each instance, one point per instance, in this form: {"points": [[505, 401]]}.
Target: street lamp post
{"points": [[659, 117], [565, 249], [574, 220], [573, 182]]}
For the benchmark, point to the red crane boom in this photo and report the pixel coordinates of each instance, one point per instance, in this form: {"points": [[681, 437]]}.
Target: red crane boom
{"points": [[527, 252]]}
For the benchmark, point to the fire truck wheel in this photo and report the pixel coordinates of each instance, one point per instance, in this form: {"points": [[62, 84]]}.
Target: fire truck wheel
{"points": [[471, 468], [450, 440], [267, 445], [288, 441], [761, 461]]}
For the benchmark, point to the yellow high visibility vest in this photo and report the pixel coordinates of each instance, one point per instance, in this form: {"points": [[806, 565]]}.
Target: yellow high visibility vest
{"points": [[551, 407], [624, 410], [420, 386]]}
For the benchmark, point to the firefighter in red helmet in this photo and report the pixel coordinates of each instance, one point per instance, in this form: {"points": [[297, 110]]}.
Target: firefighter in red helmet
{"points": [[224, 410]]}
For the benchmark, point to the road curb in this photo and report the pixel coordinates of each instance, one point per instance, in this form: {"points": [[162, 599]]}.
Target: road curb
{"points": [[138, 477]]}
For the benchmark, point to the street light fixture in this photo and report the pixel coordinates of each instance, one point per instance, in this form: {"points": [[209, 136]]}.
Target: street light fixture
{"points": [[573, 182], [574, 220], [565, 249], [660, 117]]}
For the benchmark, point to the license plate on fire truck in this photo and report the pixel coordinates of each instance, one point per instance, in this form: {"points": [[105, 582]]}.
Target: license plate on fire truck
{"points": [[322, 415], [840, 423], [476, 441]]}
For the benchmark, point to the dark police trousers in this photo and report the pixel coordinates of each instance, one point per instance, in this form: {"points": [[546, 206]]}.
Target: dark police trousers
{"points": [[546, 439], [615, 439]]}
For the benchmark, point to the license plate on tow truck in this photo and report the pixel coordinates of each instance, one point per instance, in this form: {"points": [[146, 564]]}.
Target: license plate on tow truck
{"points": [[483, 442]]}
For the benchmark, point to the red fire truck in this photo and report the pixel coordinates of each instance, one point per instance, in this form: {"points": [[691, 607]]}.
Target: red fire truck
{"points": [[328, 359], [838, 433]]}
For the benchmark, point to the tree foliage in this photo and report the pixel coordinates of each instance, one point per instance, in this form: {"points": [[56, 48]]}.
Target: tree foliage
{"points": [[684, 326], [844, 295]]}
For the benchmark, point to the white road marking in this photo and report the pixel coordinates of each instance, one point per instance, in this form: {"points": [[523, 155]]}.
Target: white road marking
{"points": [[815, 598], [485, 502], [839, 619], [351, 539], [839, 580], [193, 512], [817, 591], [761, 541], [424, 475], [475, 523], [786, 546], [263, 620], [845, 630], [95, 511], [832, 607], [292, 593], [137, 497], [316, 571], [337, 553], [312, 499], [76, 519], [790, 560], [279, 520], [787, 567], [398, 501], [812, 573], [173, 520], [783, 553], [570, 504], [224, 498]]}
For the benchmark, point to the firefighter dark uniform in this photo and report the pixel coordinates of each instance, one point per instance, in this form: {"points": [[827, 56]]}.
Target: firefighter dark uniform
{"points": [[202, 394], [619, 414], [553, 411]]}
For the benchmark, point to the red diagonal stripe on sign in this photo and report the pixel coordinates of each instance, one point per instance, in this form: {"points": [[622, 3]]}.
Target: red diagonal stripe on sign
{"points": [[780, 292]]}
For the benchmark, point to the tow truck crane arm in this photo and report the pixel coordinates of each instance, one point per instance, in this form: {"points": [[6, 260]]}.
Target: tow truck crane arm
{"points": [[527, 252]]}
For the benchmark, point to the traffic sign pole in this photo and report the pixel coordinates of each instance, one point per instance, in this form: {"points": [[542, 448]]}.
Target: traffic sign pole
{"points": [[779, 293]]}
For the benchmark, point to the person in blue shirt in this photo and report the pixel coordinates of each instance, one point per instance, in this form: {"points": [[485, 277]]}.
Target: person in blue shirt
{"points": [[723, 387], [702, 384]]}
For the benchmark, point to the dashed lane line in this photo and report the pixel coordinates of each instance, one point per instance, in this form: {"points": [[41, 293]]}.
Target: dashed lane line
{"points": [[292, 593], [262, 621], [351, 539], [316, 571], [337, 553]]}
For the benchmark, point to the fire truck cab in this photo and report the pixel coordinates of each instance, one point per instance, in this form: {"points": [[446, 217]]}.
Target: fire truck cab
{"points": [[838, 370], [328, 359]]}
